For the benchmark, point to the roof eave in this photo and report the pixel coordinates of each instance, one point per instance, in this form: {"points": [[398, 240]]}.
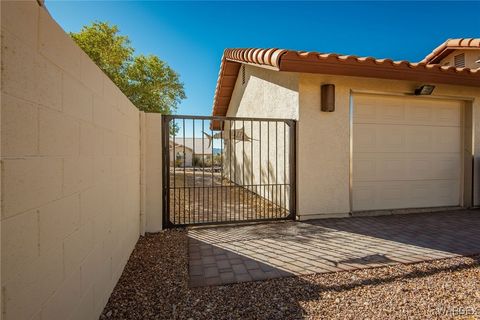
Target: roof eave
{"points": [[380, 72]]}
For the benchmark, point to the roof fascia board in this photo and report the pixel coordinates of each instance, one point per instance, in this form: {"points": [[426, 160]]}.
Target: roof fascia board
{"points": [[376, 71], [255, 65]]}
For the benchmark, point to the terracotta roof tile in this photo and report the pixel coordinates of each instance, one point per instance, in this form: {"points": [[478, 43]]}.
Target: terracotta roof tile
{"points": [[332, 63], [265, 57]]}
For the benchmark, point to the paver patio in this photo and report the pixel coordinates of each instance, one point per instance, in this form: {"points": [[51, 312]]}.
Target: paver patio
{"points": [[222, 255]]}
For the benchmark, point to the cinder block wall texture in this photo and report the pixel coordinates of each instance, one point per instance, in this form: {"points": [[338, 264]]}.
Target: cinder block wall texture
{"points": [[70, 197]]}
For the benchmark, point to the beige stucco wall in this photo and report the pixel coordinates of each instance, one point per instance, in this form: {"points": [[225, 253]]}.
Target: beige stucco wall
{"points": [[265, 159], [265, 94], [153, 172], [1, 291], [471, 56], [70, 173], [323, 157]]}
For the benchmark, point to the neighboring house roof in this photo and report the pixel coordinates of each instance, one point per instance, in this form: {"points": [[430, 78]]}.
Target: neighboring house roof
{"points": [[450, 45], [190, 143], [178, 145], [331, 63]]}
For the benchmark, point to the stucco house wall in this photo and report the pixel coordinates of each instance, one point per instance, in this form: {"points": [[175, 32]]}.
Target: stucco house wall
{"points": [[70, 173], [323, 138], [471, 58], [264, 94], [261, 93]]}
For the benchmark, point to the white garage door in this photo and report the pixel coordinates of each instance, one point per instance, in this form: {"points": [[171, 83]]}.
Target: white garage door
{"points": [[406, 152]]}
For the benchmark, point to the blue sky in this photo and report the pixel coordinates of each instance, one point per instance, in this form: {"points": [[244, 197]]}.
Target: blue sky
{"points": [[191, 36]]}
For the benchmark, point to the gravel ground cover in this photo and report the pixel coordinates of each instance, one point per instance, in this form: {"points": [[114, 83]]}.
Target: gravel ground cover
{"points": [[154, 285]]}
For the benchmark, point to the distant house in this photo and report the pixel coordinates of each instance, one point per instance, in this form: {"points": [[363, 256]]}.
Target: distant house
{"points": [[188, 149], [180, 155]]}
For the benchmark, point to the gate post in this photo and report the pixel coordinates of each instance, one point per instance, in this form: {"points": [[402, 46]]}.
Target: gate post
{"points": [[143, 145], [152, 172]]}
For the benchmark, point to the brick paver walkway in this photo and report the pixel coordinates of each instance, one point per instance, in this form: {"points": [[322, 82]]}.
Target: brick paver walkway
{"points": [[222, 255]]}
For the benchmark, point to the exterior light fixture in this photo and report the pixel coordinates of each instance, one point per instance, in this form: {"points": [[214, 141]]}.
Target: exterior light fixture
{"points": [[328, 98], [424, 90]]}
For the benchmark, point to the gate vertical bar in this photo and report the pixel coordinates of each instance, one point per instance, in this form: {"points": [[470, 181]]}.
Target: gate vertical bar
{"points": [[293, 168], [174, 172], [268, 168], [203, 171], [166, 171], [211, 168], [276, 170], [243, 167], [222, 125], [260, 164], [284, 206], [194, 163], [230, 169], [184, 173], [234, 171], [252, 213]]}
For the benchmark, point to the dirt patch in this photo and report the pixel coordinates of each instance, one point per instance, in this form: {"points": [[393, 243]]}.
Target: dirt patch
{"points": [[154, 285], [203, 196]]}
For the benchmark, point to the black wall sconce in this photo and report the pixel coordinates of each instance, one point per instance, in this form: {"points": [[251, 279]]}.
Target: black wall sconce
{"points": [[328, 98], [424, 90]]}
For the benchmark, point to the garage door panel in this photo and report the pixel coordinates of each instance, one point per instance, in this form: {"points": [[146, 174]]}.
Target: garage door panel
{"points": [[372, 138], [434, 193], [405, 138], [432, 112], [448, 115], [379, 195], [364, 197], [447, 139], [392, 114], [405, 194], [419, 115], [420, 194], [385, 110], [447, 168], [419, 168], [366, 114], [413, 111], [406, 153], [365, 169], [406, 166], [420, 138], [432, 139], [365, 138]]}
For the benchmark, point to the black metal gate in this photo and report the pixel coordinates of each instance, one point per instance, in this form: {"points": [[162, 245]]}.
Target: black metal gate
{"points": [[227, 170]]}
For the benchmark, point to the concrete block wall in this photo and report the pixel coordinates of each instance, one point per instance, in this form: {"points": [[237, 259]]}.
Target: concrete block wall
{"points": [[70, 202]]}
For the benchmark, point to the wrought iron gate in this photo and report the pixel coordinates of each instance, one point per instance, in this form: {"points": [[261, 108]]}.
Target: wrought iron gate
{"points": [[227, 169]]}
